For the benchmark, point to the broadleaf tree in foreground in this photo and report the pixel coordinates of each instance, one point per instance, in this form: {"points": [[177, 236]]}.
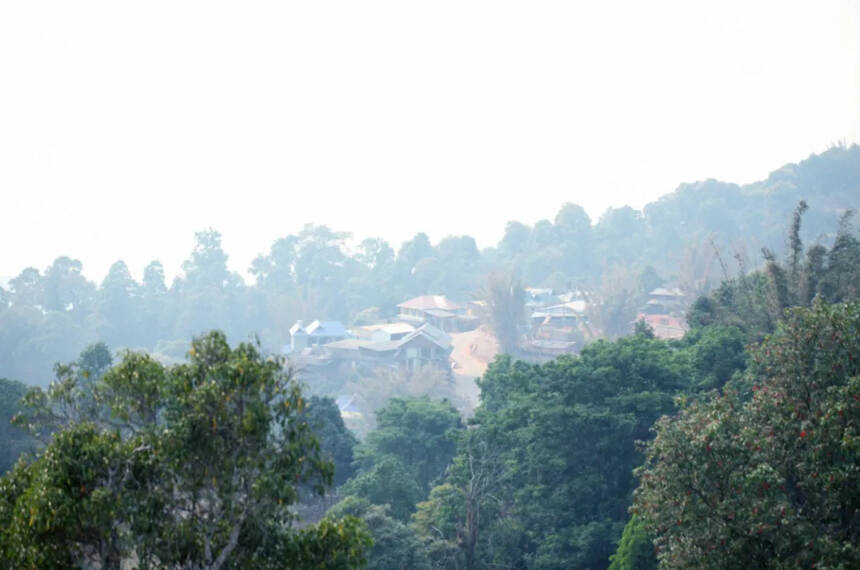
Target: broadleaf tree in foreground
{"points": [[192, 466], [773, 481]]}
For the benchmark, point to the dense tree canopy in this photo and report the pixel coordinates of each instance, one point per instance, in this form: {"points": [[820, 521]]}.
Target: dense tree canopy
{"points": [[13, 440], [772, 481], [547, 470], [412, 445], [191, 466], [197, 456]]}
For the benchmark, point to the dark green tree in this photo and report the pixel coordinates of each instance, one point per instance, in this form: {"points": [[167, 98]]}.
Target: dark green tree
{"points": [[544, 478], [196, 465], [336, 441], [13, 440], [418, 431], [396, 546], [635, 549], [389, 482], [769, 482]]}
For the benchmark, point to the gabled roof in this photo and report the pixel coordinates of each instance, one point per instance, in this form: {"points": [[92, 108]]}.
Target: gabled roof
{"points": [[297, 328], [391, 328], [347, 344], [440, 313], [346, 404], [572, 308], [436, 335], [538, 290], [383, 346], [570, 296], [664, 326], [367, 331], [326, 328], [430, 302], [667, 292]]}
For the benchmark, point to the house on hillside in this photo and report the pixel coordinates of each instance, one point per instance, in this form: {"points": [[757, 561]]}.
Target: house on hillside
{"points": [[424, 346], [665, 326], [317, 333], [555, 330], [670, 299], [539, 297], [382, 332], [569, 314], [664, 312], [438, 311]]}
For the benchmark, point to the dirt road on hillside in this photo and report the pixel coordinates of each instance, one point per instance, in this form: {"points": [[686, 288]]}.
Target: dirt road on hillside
{"points": [[473, 351]]}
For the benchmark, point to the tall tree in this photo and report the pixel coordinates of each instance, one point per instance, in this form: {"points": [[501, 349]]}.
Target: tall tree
{"points": [[770, 482], [118, 301], [13, 440], [504, 312], [196, 466]]}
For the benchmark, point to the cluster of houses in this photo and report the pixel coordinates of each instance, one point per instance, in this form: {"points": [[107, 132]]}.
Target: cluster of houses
{"points": [[555, 324], [664, 312], [420, 334], [417, 337]]}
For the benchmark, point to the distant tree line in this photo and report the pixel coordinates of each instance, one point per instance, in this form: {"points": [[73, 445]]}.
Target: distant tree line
{"points": [[755, 412], [755, 461], [50, 315]]}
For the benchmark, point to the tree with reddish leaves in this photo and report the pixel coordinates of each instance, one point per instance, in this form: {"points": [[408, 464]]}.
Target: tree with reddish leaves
{"points": [[772, 481]]}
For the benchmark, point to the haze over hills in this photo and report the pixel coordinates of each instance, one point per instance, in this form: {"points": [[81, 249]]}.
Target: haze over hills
{"points": [[439, 286], [50, 315]]}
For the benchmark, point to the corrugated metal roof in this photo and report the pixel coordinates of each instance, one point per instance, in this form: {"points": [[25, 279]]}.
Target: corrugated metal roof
{"points": [[347, 344], [430, 302], [326, 328], [435, 334], [565, 309], [390, 328], [667, 292], [440, 313], [384, 346]]}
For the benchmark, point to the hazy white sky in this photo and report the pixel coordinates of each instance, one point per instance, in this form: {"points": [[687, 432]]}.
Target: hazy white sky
{"points": [[127, 126]]}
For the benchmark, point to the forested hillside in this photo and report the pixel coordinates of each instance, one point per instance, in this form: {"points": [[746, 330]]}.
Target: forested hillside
{"points": [[49, 315], [736, 444], [755, 460]]}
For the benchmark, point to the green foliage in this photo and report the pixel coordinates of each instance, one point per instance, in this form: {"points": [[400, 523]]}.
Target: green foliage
{"points": [[412, 445], [13, 440], [64, 507], [544, 479], [716, 354], [387, 482], [196, 465], [417, 431], [395, 544], [336, 441], [771, 482], [337, 544], [635, 549], [754, 303]]}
